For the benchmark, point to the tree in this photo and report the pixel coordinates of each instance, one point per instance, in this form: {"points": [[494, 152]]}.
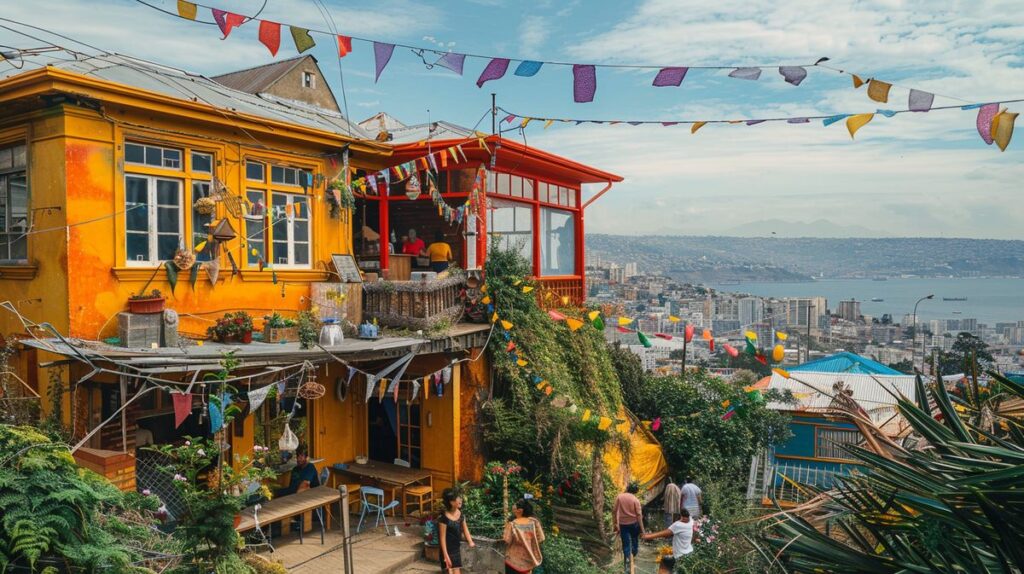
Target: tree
{"points": [[904, 366], [968, 354]]}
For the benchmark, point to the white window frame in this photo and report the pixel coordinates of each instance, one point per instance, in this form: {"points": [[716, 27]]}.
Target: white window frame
{"points": [[151, 215], [163, 149], [308, 218], [6, 174], [312, 79]]}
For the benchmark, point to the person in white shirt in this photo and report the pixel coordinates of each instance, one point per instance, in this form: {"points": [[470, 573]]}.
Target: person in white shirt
{"points": [[692, 498], [681, 533]]}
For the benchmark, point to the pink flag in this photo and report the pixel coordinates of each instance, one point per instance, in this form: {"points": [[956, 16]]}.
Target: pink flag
{"points": [[985, 115], [452, 61], [556, 315], [584, 83], [731, 350], [669, 77], [665, 336], [182, 407], [495, 69], [728, 414], [656, 424]]}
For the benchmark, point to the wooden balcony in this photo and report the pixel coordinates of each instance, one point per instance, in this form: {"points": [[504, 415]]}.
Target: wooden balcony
{"points": [[560, 291], [414, 304]]}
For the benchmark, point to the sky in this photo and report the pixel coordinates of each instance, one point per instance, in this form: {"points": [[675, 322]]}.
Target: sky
{"points": [[923, 174]]}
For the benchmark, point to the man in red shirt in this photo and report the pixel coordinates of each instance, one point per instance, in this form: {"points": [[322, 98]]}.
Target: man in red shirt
{"points": [[413, 245]]}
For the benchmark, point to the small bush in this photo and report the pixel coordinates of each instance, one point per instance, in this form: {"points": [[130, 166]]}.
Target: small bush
{"points": [[565, 555]]}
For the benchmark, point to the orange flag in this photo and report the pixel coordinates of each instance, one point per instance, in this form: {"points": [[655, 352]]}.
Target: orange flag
{"points": [[573, 324], [696, 126], [270, 35], [854, 123], [879, 91], [857, 82]]}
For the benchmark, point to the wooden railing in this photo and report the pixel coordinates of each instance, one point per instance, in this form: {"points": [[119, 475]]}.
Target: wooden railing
{"points": [[414, 304], [551, 291]]}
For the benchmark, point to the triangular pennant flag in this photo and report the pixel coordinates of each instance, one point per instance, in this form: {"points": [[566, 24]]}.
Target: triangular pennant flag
{"points": [[446, 374], [226, 21], [586, 415], [858, 121], [257, 396], [371, 383], [541, 385], [673, 319], [172, 274], [522, 362], [833, 119], [688, 333], [731, 350], [584, 83], [507, 325], [556, 315], [186, 10], [761, 358], [527, 289], [382, 388], [573, 324], [706, 335], [878, 90], [669, 77], [729, 414], [726, 403], [750, 349], [216, 416], [644, 340], [182, 407], [623, 321], [303, 41], [393, 390], [212, 271], [381, 56], [745, 73], [495, 69], [193, 275], [665, 336], [857, 82], [603, 423], [452, 61], [696, 126], [781, 372], [528, 68], [623, 329], [778, 353], [793, 74], [656, 424], [986, 114], [781, 336], [1002, 129], [270, 36], [415, 389], [344, 45], [510, 347], [750, 335], [920, 101]]}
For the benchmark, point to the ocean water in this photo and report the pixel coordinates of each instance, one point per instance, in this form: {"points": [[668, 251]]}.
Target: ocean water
{"points": [[990, 301]]}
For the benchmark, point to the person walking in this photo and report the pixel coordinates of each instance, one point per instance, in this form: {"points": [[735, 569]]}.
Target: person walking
{"points": [[681, 533], [451, 528], [627, 512], [692, 498], [523, 536], [672, 499]]}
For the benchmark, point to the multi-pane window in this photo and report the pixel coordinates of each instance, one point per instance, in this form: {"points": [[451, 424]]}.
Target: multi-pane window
{"points": [[255, 228], [409, 433], [830, 442], [557, 242], [287, 175], [290, 229], [153, 218], [511, 224], [255, 171], [278, 227], [202, 162], [153, 156], [14, 211]]}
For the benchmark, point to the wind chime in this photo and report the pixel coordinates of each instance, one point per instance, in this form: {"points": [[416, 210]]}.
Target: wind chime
{"points": [[311, 390]]}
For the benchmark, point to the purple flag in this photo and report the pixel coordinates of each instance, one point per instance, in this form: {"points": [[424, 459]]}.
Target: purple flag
{"points": [[667, 124], [985, 115], [382, 55], [452, 61], [798, 121], [745, 73], [793, 74], [509, 118], [584, 83], [920, 101], [634, 123], [670, 77], [754, 122], [495, 69]]}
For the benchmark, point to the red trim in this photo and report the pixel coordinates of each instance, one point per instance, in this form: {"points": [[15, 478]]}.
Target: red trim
{"points": [[385, 236]]}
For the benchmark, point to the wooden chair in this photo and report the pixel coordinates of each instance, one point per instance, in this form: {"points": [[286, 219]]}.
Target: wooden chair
{"points": [[421, 495], [353, 489]]}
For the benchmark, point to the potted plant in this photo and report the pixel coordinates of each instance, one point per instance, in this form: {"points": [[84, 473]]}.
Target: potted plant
{"points": [[146, 303], [232, 327], [277, 328]]}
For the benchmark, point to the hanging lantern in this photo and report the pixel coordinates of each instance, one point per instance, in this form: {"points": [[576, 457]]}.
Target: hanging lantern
{"points": [[412, 187]]}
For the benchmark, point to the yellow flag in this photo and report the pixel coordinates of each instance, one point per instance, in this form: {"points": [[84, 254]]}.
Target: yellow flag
{"points": [[573, 324], [517, 282], [751, 335], [483, 288], [200, 246], [565, 299], [857, 82], [548, 123], [494, 317], [781, 372], [526, 122], [674, 319], [541, 385], [854, 123], [879, 91], [586, 415], [781, 336], [486, 299], [383, 387], [623, 321], [593, 315], [527, 289], [778, 353], [186, 10], [506, 324], [522, 362], [604, 423], [696, 126], [1002, 128], [726, 403]]}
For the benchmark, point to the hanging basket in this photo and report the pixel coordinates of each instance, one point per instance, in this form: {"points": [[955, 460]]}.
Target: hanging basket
{"points": [[311, 391], [184, 259], [205, 206]]}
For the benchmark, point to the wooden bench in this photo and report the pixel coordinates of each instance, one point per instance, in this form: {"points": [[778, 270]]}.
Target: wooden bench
{"points": [[288, 506]]}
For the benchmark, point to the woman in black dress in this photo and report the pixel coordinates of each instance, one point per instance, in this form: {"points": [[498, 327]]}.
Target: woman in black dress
{"points": [[451, 527]]}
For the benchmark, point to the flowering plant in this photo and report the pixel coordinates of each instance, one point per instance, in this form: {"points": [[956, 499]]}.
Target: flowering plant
{"points": [[231, 325], [705, 531]]}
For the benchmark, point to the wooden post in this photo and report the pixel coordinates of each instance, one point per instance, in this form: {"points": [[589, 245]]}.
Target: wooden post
{"points": [[346, 538]]}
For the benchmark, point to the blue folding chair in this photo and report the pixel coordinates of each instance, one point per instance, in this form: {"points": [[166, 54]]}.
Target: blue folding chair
{"points": [[378, 507]]}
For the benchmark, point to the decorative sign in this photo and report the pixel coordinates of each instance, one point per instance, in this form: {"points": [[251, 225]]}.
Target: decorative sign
{"points": [[345, 265]]}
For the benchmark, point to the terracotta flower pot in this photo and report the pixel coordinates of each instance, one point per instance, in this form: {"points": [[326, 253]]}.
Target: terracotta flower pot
{"points": [[147, 306]]}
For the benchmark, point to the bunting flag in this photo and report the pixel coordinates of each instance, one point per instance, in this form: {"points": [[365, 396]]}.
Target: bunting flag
{"points": [[919, 101], [746, 73], [528, 68], [750, 349], [452, 61], [656, 424], [986, 114], [623, 321], [584, 83], [726, 403], [858, 121], [1002, 128], [750, 335], [857, 82], [688, 333], [415, 389], [793, 74], [270, 35], [182, 407], [665, 336], [731, 350], [596, 320], [527, 288], [446, 374], [673, 319], [556, 315], [381, 56], [669, 77], [507, 325], [781, 336], [781, 372], [186, 10], [371, 383], [257, 396], [381, 389], [344, 45], [878, 90], [761, 358], [586, 415], [644, 340], [623, 329], [226, 21], [303, 41], [706, 335], [696, 126], [216, 417], [778, 353], [729, 414], [495, 69], [604, 423]]}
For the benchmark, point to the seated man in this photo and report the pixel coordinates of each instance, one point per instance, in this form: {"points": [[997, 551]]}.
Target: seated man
{"points": [[304, 475]]}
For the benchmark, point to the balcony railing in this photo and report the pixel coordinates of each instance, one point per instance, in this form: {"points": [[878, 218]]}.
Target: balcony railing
{"points": [[787, 482], [552, 291], [414, 304]]}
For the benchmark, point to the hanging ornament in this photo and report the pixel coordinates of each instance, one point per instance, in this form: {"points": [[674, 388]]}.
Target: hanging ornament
{"points": [[412, 187], [288, 441]]}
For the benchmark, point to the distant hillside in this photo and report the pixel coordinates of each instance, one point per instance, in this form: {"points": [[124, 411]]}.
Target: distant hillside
{"points": [[712, 258], [780, 228]]}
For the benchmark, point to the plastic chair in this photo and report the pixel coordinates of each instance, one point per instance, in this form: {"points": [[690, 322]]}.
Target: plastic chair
{"points": [[378, 507]]}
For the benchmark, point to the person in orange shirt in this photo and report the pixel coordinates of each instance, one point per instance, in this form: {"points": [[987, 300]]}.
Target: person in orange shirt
{"points": [[628, 514], [440, 253]]}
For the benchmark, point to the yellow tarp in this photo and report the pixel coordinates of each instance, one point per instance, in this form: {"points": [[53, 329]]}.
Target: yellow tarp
{"points": [[646, 464]]}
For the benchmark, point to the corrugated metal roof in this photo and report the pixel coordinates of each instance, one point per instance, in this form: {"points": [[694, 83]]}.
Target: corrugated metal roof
{"points": [[434, 131], [845, 363], [814, 391], [258, 79], [194, 87], [372, 124]]}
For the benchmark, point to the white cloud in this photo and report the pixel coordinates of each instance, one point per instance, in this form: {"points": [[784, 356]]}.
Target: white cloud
{"points": [[533, 33]]}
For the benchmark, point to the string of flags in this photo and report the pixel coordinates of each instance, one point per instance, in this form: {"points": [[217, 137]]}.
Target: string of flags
{"points": [[584, 75], [995, 123]]}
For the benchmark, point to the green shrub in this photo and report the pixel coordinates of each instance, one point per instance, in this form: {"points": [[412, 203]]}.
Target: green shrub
{"points": [[565, 555]]}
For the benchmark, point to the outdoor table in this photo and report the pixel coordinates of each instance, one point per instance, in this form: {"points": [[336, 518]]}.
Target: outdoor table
{"points": [[285, 507], [387, 473]]}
